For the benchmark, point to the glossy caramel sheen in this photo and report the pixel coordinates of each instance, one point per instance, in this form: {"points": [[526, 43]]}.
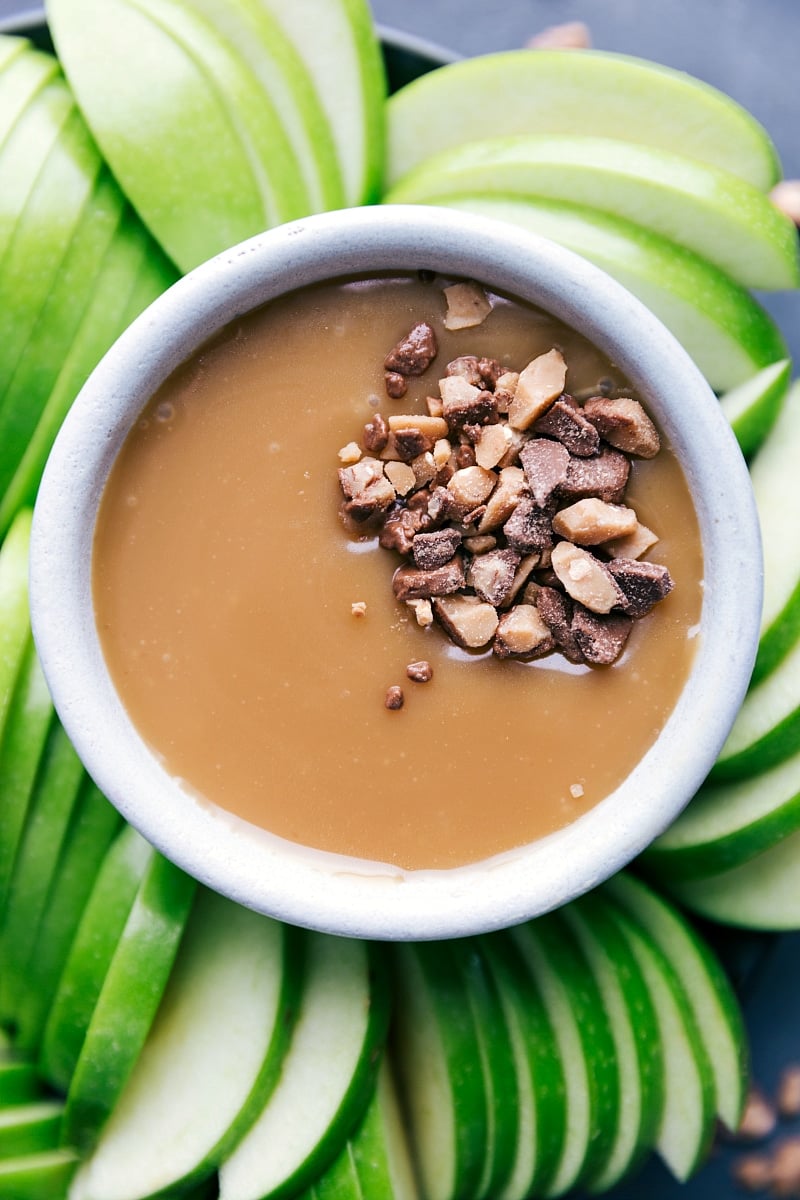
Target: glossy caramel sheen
{"points": [[224, 582]]}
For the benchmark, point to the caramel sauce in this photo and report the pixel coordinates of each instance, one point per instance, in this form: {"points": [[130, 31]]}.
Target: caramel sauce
{"points": [[224, 583]]}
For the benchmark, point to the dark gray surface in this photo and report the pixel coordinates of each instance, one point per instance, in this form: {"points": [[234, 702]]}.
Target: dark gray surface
{"points": [[748, 48]]}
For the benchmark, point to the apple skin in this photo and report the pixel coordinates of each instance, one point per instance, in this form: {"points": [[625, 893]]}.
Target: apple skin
{"points": [[24, 72], [44, 1176], [30, 1128], [594, 93], [728, 823], [752, 408], [711, 212], [725, 330]]}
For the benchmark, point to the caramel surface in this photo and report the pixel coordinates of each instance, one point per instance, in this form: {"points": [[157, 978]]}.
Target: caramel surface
{"points": [[224, 581]]}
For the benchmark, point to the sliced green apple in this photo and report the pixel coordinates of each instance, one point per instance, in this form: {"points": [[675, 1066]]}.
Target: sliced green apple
{"points": [[686, 1127], [723, 328], [558, 92], [711, 212], [51, 806], [773, 472], [92, 950], [133, 273], [752, 408], [126, 1006], [210, 1060], [24, 72], [340, 47], [705, 984], [766, 729], [634, 1029], [585, 1046], [30, 1128], [42, 1176], [443, 1086], [28, 722], [14, 619], [178, 114], [761, 893], [19, 1081], [541, 1099], [94, 825], [380, 1149], [728, 823], [342, 1021]]}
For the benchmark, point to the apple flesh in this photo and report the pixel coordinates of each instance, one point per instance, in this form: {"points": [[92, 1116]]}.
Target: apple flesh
{"points": [[752, 408], [560, 92], [709, 211]]}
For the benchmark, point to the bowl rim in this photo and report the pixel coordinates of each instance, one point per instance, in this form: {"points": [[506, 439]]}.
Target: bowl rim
{"points": [[327, 891]]}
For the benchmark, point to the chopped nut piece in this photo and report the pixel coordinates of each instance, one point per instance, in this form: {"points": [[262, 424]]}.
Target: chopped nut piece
{"points": [[350, 453], [505, 389], [358, 608], [624, 423], [605, 477], [394, 697], [571, 35], [472, 485], [401, 476], [429, 427], [441, 452], [468, 367], [480, 543], [411, 583], [521, 630], [376, 434], [538, 386], [366, 489], [492, 574], [464, 403], [464, 456], [576, 790], [423, 612], [786, 196], [638, 543], [424, 469], [526, 565], [414, 353], [410, 443], [490, 370], [518, 440], [467, 306], [545, 464], [566, 423], [555, 609], [469, 621], [752, 1172], [601, 639], [493, 442], [509, 491], [420, 672], [642, 584], [592, 522], [435, 406], [433, 550], [789, 1093], [396, 385], [400, 527], [585, 578], [529, 529], [785, 1179], [759, 1119]]}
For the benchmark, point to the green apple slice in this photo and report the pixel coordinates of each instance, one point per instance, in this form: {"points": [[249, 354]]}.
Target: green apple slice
{"points": [[761, 893], [133, 273], [766, 729], [14, 619], [585, 1046], [42, 1176], [752, 408], [129, 998], [29, 719], [634, 1029], [19, 1082], [497, 1063], [711, 212], [725, 330], [212, 1056], [96, 939], [11, 47], [30, 1128], [95, 824], [728, 823], [177, 115], [705, 984], [250, 27], [558, 92], [686, 1127], [443, 1087], [23, 74], [541, 1099], [380, 1149], [340, 47], [342, 1022], [773, 472], [52, 803]]}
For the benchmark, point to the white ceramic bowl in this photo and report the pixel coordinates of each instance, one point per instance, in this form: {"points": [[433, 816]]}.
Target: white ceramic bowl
{"points": [[325, 891]]}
